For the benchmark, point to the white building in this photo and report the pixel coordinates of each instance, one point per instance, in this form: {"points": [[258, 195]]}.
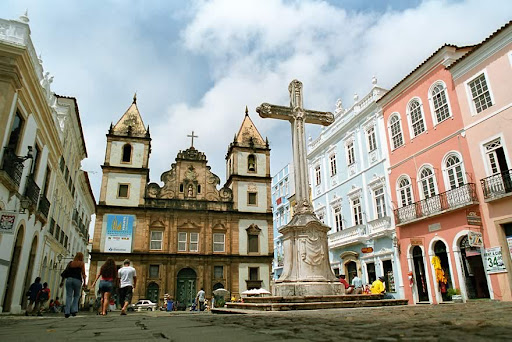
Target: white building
{"points": [[40, 178]]}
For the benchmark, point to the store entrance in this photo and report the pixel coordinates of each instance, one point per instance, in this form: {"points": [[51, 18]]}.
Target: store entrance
{"points": [[419, 274], [473, 270], [440, 252]]}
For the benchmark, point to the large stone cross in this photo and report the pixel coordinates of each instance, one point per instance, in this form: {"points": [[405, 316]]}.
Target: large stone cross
{"points": [[297, 116], [192, 136]]}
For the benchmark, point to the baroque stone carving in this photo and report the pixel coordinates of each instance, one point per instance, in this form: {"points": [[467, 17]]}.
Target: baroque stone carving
{"points": [[312, 249]]}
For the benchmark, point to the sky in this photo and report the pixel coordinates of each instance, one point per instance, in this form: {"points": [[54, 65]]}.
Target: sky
{"points": [[195, 65]]}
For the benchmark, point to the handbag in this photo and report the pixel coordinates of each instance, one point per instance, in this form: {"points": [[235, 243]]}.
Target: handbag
{"points": [[65, 273]]}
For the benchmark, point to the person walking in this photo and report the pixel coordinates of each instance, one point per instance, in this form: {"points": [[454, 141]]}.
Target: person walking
{"points": [[108, 274], [127, 278], [42, 298], [74, 275], [200, 299], [32, 293]]}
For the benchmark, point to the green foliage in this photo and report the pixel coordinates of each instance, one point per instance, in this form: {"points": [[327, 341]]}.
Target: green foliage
{"points": [[451, 292]]}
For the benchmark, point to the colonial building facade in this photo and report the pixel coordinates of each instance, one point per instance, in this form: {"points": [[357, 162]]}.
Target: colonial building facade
{"points": [[40, 132], [483, 80], [185, 234], [350, 188]]}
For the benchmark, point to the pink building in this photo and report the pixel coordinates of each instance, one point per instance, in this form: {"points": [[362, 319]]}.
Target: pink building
{"points": [[432, 183], [483, 82]]}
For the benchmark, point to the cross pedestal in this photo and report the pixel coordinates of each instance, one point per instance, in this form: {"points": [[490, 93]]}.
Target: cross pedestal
{"points": [[307, 270]]}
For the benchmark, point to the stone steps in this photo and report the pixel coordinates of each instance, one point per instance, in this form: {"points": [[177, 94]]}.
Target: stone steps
{"points": [[311, 299], [292, 305]]}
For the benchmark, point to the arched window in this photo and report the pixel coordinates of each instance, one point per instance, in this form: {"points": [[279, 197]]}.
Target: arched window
{"points": [[127, 153], [198, 188], [404, 191], [251, 163], [439, 102], [454, 169], [395, 130], [427, 182], [416, 117]]}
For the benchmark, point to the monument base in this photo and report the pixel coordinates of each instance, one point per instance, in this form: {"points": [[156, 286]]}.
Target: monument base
{"points": [[304, 288]]}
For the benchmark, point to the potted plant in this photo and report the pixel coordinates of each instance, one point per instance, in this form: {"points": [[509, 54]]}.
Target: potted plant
{"points": [[455, 295]]}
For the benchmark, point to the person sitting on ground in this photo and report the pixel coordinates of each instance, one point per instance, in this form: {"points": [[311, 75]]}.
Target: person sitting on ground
{"points": [[57, 305], [357, 285], [51, 306], [42, 298], [379, 288], [344, 282]]}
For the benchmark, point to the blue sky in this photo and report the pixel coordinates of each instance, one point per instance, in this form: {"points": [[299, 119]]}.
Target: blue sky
{"points": [[196, 65]]}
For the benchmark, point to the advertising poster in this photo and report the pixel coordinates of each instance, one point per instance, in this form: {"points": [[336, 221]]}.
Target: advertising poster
{"points": [[7, 223], [118, 238], [494, 260]]}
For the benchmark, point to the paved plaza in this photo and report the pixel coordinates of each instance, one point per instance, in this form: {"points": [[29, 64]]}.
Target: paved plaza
{"points": [[475, 321]]}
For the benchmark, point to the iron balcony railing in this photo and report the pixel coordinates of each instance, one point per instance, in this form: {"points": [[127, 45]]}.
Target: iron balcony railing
{"points": [[51, 227], [497, 185], [32, 190], [44, 206], [13, 166], [75, 216], [450, 200]]}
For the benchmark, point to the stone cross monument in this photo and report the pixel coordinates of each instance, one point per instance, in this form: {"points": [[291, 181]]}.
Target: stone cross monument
{"points": [[307, 269]]}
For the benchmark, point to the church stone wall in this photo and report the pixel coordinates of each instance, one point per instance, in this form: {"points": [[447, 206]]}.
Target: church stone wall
{"points": [[263, 237], [116, 154], [262, 197], [134, 182], [261, 164], [264, 275]]}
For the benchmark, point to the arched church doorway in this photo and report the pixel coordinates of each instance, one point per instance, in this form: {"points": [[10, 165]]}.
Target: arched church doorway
{"points": [[473, 270], [13, 270], [153, 292], [218, 286], [186, 286], [28, 273], [419, 274], [350, 271], [440, 251]]}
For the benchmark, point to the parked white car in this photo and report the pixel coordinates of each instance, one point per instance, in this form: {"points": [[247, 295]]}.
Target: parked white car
{"points": [[143, 304]]}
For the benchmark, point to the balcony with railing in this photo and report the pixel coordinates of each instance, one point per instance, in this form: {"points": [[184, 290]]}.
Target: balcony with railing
{"points": [[51, 227], [380, 226], [44, 206], [32, 191], [75, 216], [11, 171], [347, 236], [447, 201], [497, 186]]}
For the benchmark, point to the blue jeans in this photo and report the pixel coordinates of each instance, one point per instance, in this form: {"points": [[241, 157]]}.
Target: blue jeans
{"points": [[73, 293]]}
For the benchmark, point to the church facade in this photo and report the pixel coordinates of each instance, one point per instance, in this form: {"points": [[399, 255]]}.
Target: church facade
{"points": [[187, 232]]}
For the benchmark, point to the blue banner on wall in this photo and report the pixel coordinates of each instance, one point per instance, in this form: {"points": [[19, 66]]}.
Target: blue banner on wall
{"points": [[118, 237]]}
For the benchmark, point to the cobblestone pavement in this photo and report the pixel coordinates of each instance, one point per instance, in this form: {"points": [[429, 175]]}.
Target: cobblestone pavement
{"points": [[475, 321]]}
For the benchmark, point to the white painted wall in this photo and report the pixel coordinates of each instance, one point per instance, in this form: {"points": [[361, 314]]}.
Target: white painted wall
{"points": [[243, 275], [261, 189], [263, 238], [261, 164], [116, 153], [114, 179]]}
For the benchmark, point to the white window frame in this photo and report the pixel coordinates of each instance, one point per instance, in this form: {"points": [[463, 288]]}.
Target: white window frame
{"points": [[420, 181], [446, 170], [399, 190], [485, 152], [431, 102], [338, 218], [351, 152], [180, 240], [371, 136], [391, 140], [218, 243], [409, 117], [357, 211], [470, 95], [318, 175], [332, 164], [152, 239], [376, 205], [193, 242]]}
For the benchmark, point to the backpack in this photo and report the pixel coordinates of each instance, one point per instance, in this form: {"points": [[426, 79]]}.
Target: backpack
{"points": [[43, 296]]}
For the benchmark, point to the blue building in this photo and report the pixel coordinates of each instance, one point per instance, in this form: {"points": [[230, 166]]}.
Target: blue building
{"points": [[350, 192], [283, 189]]}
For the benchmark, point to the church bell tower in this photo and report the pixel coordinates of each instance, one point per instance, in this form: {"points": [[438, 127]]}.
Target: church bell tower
{"points": [[125, 169]]}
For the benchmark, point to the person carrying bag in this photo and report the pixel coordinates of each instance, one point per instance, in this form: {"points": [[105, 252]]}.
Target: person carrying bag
{"points": [[74, 276]]}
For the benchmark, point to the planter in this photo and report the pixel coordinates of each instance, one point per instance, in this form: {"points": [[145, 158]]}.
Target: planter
{"points": [[457, 299]]}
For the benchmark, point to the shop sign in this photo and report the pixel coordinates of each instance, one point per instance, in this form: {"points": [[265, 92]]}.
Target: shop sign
{"points": [[472, 251], [7, 222], [474, 218], [118, 238], [434, 227], [494, 260], [367, 249], [475, 239], [509, 241], [417, 241]]}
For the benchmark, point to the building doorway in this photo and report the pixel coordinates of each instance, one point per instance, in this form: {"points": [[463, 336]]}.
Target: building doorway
{"points": [[473, 270], [186, 287], [13, 269], [370, 270], [28, 273], [218, 286], [153, 292], [350, 271], [440, 251], [387, 268], [419, 274]]}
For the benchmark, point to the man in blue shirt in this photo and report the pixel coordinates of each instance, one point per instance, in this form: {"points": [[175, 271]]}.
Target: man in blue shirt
{"points": [[32, 293]]}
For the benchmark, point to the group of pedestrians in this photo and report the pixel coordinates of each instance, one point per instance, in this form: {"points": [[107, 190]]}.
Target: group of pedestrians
{"points": [[356, 286], [125, 279]]}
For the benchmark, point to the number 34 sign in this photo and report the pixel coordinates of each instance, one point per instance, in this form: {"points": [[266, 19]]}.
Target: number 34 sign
{"points": [[494, 260]]}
